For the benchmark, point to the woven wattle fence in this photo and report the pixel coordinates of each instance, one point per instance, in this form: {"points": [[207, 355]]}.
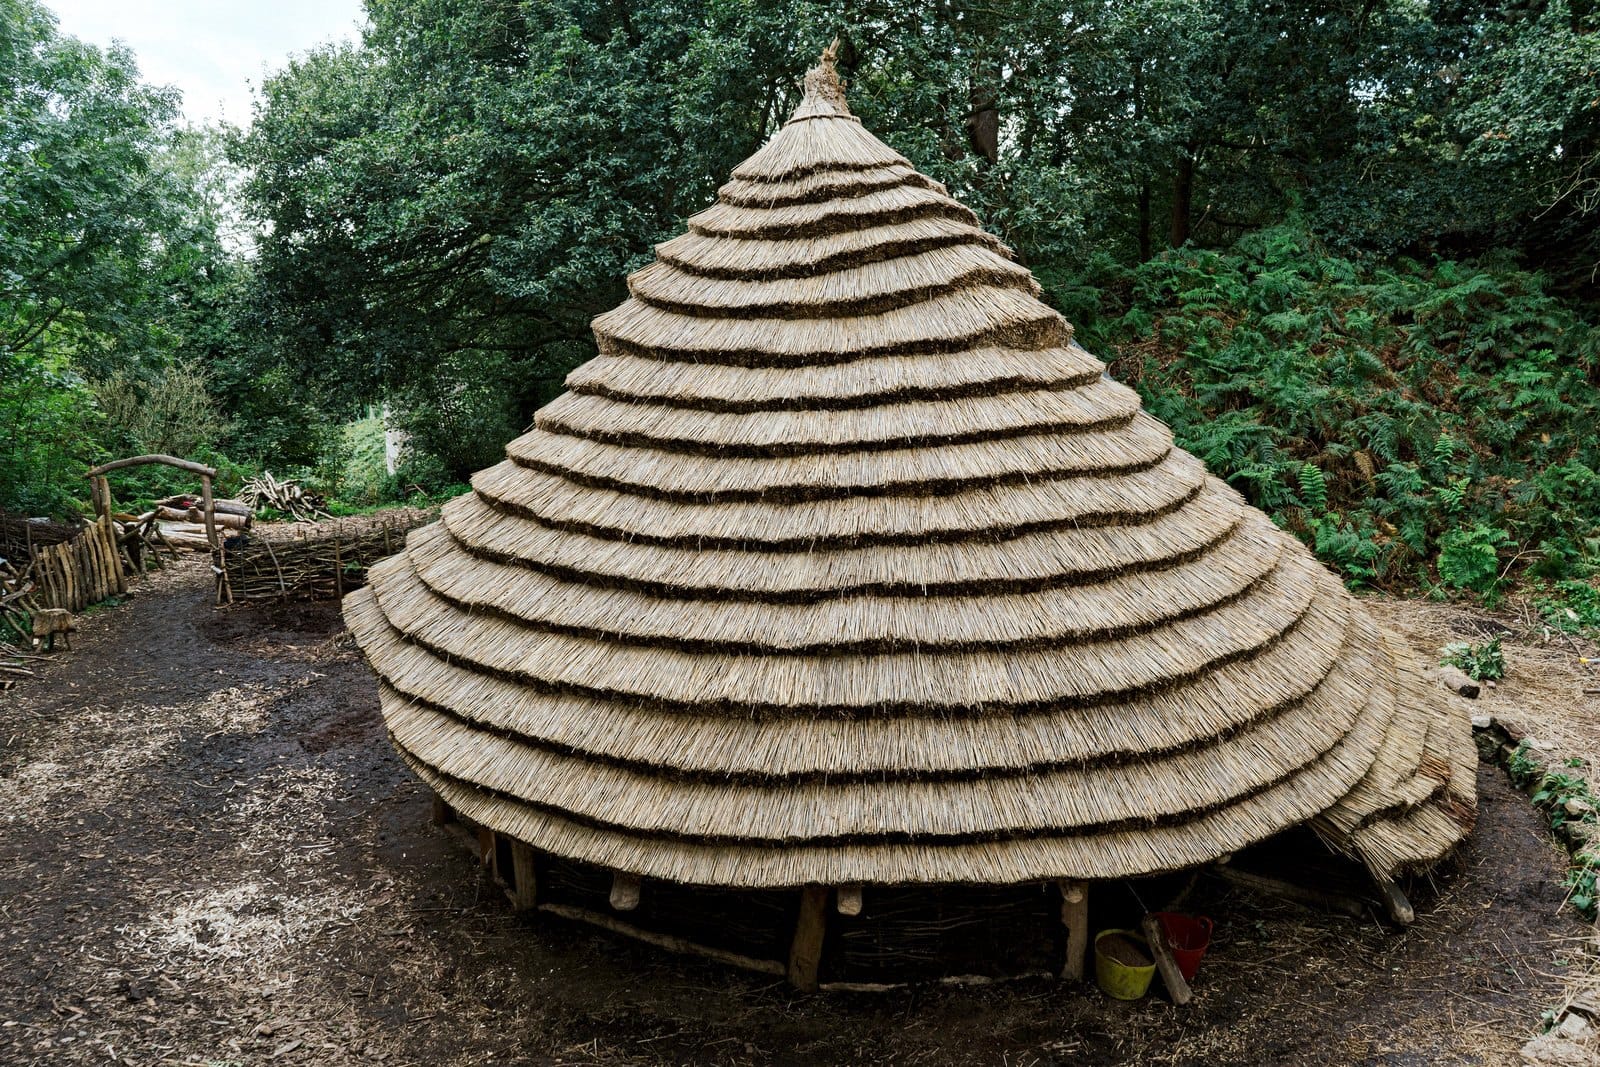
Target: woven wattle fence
{"points": [[323, 562], [21, 536]]}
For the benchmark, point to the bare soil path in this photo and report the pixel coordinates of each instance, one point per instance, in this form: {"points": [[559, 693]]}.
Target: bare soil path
{"points": [[209, 855]]}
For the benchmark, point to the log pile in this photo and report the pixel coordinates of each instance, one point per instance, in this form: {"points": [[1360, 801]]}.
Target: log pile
{"points": [[17, 607], [180, 521], [14, 665], [16, 599], [322, 563], [139, 539], [285, 495]]}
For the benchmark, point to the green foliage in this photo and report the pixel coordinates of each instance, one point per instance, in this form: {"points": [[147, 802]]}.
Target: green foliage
{"points": [[1485, 662], [1313, 487], [364, 479], [111, 270], [48, 427], [1571, 607], [1415, 422], [1552, 792], [1470, 558]]}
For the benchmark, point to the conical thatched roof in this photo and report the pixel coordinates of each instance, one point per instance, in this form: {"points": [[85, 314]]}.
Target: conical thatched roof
{"points": [[842, 563]]}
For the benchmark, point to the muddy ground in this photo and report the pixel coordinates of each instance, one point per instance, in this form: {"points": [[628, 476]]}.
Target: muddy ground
{"points": [[209, 855]]}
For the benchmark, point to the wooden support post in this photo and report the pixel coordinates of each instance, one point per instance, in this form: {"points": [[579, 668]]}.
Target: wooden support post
{"points": [[805, 951], [1075, 917], [525, 884], [848, 900], [624, 891], [486, 848], [1395, 902], [100, 490], [210, 512], [1161, 952]]}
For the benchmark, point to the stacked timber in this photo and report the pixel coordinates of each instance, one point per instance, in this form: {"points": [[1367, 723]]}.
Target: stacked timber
{"points": [[181, 520], [20, 535], [286, 495], [16, 606], [13, 665], [16, 598]]}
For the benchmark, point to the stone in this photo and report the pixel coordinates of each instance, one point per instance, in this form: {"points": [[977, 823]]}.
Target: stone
{"points": [[1482, 722], [1553, 1050], [1456, 680]]}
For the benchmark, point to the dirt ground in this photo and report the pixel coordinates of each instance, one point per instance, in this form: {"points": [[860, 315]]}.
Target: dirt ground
{"points": [[209, 855]]}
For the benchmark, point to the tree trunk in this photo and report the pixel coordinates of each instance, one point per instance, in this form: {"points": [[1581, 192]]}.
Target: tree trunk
{"points": [[1144, 222], [1182, 198], [983, 128], [983, 116]]}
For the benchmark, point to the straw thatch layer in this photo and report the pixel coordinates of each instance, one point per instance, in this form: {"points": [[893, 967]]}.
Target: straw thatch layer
{"points": [[843, 564], [1100, 405], [714, 257], [826, 185], [915, 472], [857, 384], [692, 741], [998, 509]]}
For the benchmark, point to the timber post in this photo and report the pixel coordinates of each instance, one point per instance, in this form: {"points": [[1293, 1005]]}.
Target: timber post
{"points": [[1075, 917], [805, 951]]}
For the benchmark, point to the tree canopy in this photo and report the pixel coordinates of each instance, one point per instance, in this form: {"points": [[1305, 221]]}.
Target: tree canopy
{"points": [[1321, 236], [452, 199], [108, 247]]}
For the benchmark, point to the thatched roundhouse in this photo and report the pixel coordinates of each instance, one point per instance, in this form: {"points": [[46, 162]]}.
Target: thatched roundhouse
{"points": [[843, 566]]}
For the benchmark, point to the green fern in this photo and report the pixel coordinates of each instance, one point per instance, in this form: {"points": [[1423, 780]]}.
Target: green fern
{"points": [[1470, 558], [1313, 488]]}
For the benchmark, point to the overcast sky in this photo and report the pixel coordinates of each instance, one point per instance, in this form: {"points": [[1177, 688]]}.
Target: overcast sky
{"points": [[215, 51]]}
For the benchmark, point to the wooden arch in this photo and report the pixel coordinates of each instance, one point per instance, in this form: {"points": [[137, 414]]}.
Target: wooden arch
{"points": [[100, 487]]}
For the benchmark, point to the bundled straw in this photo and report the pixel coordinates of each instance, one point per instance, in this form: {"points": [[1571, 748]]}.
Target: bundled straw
{"points": [[843, 564]]}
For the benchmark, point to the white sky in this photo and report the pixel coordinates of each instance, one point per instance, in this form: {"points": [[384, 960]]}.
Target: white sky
{"points": [[214, 51]]}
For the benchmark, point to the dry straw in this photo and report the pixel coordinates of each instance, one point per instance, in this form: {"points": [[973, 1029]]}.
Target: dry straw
{"points": [[843, 564]]}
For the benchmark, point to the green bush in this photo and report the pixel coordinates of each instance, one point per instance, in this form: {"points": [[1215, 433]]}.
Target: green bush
{"points": [[49, 427], [1415, 422], [1485, 662], [1571, 607], [1470, 558]]}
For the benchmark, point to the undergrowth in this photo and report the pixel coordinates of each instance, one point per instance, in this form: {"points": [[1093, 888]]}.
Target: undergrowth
{"points": [[1421, 425], [1565, 798], [1484, 663]]}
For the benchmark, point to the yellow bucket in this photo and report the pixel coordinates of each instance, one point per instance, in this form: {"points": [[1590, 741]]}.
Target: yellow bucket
{"points": [[1123, 981]]}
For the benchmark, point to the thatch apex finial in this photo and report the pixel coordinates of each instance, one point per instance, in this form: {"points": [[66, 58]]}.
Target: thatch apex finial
{"points": [[824, 90]]}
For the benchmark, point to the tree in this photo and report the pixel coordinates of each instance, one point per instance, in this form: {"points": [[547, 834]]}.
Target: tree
{"points": [[448, 203], [106, 240]]}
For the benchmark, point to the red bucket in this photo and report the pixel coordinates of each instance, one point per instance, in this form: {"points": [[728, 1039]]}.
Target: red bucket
{"points": [[1188, 938]]}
